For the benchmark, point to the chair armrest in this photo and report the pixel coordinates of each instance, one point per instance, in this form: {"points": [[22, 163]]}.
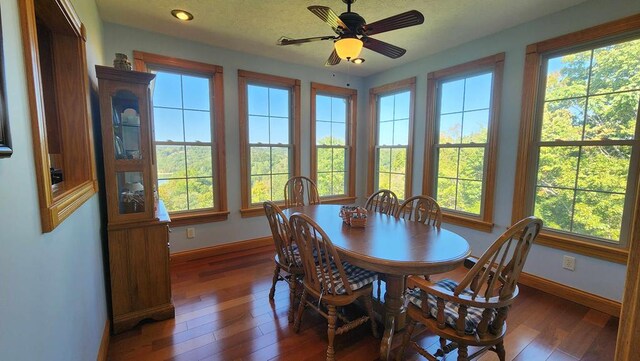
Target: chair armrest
{"points": [[439, 292]]}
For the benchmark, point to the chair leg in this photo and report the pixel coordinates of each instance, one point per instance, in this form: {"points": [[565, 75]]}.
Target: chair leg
{"points": [[463, 355], [500, 351], [276, 275], [406, 338], [331, 332], [292, 296], [303, 301], [368, 304]]}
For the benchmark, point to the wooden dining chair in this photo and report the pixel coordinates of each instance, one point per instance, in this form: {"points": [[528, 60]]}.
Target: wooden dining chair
{"points": [[383, 201], [331, 282], [422, 209], [287, 257], [472, 312], [300, 191]]}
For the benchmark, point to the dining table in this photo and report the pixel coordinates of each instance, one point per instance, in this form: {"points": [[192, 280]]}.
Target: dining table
{"points": [[393, 247]]}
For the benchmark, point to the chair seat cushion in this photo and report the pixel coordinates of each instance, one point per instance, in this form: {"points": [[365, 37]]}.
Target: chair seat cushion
{"points": [[356, 276], [474, 314]]}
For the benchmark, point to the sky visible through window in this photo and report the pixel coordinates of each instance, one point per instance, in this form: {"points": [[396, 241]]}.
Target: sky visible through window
{"points": [[182, 126]]}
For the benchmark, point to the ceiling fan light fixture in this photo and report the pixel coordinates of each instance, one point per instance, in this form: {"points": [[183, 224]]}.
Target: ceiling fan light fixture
{"points": [[182, 15], [348, 48], [357, 60]]}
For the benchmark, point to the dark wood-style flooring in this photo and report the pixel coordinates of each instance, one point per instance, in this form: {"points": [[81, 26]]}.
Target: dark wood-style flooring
{"points": [[223, 313]]}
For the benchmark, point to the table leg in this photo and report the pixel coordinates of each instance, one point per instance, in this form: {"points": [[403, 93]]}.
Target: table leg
{"points": [[393, 303]]}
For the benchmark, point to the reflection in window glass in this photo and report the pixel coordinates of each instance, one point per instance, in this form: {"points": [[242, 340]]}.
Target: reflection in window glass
{"points": [[269, 141], [462, 118], [591, 100], [182, 127], [393, 141], [331, 148]]}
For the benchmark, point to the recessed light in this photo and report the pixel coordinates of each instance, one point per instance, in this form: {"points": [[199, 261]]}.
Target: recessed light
{"points": [[358, 60], [182, 15]]}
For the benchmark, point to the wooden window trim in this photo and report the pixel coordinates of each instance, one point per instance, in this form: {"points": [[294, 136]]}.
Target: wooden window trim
{"points": [[495, 63], [245, 77], [526, 149], [374, 93], [142, 62], [57, 205], [352, 111]]}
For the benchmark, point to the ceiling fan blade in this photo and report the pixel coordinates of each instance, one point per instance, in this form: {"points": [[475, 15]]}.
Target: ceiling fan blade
{"points": [[328, 16], [410, 18], [383, 48], [287, 41], [334, 59]]}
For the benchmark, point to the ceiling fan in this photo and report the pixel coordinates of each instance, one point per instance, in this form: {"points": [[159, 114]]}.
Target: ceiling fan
{"points": [[353, 33]]}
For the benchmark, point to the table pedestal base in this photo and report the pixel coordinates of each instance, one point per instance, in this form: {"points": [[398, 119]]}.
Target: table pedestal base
{"points": [[393, 312]]}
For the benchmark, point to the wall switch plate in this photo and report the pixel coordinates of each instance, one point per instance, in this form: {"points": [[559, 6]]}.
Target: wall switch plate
{"points": [[569, 263], [191, 232]]}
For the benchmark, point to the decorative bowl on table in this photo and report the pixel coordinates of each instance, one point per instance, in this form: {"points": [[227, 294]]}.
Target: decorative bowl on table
{"points": [[354, 216]]}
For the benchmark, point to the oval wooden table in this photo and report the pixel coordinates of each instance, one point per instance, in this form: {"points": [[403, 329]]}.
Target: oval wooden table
{"points": [[391, 246]]}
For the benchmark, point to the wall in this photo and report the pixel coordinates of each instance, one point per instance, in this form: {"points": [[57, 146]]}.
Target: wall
{"points": [[123, 39], [591, 275], [52, 290]]}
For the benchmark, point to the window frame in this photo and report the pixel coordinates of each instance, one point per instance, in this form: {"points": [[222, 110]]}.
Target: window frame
{"points": [[351, 95], [374, 95], [245, 78], [73, 121], [495, 64], [145, 62], [526, 157]]}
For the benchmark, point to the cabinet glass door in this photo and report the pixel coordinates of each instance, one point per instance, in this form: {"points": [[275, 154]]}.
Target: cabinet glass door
{"points": [[126, 125], [130, 192]]}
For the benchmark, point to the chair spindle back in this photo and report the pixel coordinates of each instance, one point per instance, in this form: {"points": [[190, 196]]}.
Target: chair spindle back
{"points": [[300, 191], [383, 201], [319, 257], [281, 233], [422, 209]]}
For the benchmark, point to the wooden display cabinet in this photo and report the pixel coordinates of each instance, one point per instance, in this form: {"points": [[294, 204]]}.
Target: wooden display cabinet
{"points": [[138, 224]]}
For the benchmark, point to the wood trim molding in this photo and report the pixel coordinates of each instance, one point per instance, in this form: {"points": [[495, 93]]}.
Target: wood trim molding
{"points": [[495, 63], [245, 77], [374, 93], [185, 256], [629, 328], [352, 108], [141, 59], [190, 218], [103, 351], [76, 131], [590, 300], [524, 172]]}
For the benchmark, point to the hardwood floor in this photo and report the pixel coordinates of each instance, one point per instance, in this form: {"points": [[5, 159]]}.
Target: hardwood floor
{"points": [[223, 313]]}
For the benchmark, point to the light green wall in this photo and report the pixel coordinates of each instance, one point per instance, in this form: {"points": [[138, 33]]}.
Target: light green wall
{"points": [[52, 292], [591, 275]]}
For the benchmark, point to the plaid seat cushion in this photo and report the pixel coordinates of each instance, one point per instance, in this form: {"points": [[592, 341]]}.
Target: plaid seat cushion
{"points": [[356, 276], [474, 314]]}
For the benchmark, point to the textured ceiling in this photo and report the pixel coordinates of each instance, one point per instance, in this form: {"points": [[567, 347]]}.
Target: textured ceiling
{"points": [[254, 26]]}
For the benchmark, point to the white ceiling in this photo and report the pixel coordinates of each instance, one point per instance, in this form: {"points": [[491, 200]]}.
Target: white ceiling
{"points": [[254, 26]]}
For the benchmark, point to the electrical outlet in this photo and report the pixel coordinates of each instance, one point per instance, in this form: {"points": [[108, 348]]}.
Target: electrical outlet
{"points": [[191, 232], [569, 263]]}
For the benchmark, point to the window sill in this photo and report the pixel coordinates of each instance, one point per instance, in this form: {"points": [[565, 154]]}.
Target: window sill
{"points": [[591, 249], [197, 217], [338, 200], [254, 212], [466, 221]]}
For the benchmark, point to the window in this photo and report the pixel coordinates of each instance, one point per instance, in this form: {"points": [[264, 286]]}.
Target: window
{"points": [[460, 151], [188, 124], [391, 144], [59, 104], [269, 137], [580, 143], [333, 125]]}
